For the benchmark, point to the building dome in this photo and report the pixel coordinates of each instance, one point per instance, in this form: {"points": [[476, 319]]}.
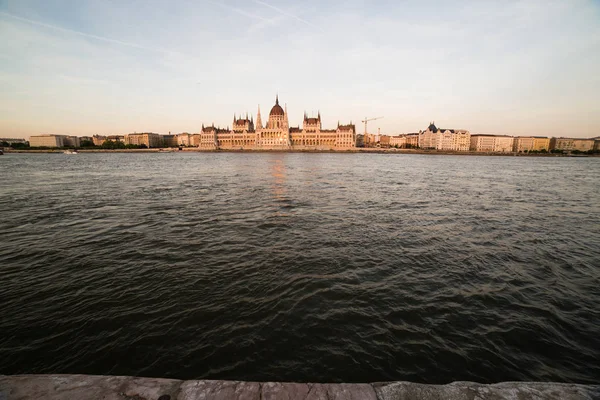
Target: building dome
{"points": [[277, 110]]}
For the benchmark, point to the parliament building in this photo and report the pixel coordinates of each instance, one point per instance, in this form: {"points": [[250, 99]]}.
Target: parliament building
{"points": [[277, 134]]}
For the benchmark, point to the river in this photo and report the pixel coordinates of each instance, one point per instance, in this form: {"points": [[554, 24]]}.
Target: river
{"points": [[301, 267]]}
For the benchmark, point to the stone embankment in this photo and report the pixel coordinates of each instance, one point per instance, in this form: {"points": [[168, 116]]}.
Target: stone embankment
{"points": [[88, 387]]}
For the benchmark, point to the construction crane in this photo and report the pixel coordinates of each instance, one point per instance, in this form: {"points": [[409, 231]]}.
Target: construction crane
{"points": [[365, 122]]}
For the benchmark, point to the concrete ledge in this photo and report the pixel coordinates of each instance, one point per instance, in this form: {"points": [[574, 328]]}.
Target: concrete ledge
{"points": [[91, 387]]}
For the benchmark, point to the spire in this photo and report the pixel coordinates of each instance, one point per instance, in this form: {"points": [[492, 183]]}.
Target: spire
{"points": [[277, 99], [246, 114], [258, 120], [319, 115]]}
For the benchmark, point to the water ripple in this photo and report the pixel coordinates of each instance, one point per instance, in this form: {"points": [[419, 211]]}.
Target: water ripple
{"points": [[301, 267]]}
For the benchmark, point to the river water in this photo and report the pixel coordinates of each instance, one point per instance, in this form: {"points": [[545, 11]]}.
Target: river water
{"points": [[301, 267]]}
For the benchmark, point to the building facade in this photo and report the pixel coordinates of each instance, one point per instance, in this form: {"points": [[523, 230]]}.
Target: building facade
{"points": [[98, 140], [398, 141], [445, 139], [184, 139], [169, 140], [115, 138], [195, 140], [144, 139], [385, 141], [492, 143], [13, 141], [277, 133], [71, 141], [370, 140], [570, 144], [531, 143], [412, 140], [47, 141]]}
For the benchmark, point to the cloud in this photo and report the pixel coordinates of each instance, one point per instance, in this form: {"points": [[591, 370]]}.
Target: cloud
{"points": [[239, 11], [287, 14], [260, 21], [88, 35]]}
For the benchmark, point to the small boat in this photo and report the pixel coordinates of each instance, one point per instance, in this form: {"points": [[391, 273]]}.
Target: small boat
{"points": [[70, 151], [1, 152]]}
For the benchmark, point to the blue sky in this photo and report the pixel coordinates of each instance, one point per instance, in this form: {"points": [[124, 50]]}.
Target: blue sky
{"points": [[117, 66]]}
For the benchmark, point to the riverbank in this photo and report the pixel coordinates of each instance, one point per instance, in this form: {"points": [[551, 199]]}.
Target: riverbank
{"points": [[353, 151], [88, 387]]}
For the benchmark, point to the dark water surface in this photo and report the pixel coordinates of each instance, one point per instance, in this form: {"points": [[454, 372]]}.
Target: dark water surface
{"points": [[301, 267]]}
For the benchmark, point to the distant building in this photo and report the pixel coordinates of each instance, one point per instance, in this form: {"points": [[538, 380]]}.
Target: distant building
{"points": [[384, 141], [47, 141], [370, 140], [71, 141], [277, 133], [169, 140], [398, 141], [531, 143], [445, 139], [597, 144], [98, 140], [13, 141], [184, 139], [492, 143], [412, 140], [144, 139], [116, 138], [85, 139], [360, 140], [406, 141], [195, 140], [570, 144]]}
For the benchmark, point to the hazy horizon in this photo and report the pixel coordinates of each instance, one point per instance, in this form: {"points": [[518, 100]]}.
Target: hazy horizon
{"points": [[105, 67]]}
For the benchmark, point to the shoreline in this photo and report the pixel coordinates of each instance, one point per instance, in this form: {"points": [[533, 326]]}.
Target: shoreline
{"points": [[348, 151], [84, 387]]}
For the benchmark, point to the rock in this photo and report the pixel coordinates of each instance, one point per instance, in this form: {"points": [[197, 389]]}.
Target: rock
{"points": [[67, 387], [90, 387]]}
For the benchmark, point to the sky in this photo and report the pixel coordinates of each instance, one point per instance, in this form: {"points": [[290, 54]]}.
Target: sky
{"points": [[516, 67]]}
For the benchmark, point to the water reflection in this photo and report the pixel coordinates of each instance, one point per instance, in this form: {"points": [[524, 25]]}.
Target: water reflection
{"points": [[282, 202]]}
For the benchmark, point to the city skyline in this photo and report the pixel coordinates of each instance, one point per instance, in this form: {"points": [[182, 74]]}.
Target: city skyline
{"points": [[516, 68]]}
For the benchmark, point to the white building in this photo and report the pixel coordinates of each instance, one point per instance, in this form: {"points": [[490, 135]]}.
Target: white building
{"points": [[492, 143], [444, 139]]}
